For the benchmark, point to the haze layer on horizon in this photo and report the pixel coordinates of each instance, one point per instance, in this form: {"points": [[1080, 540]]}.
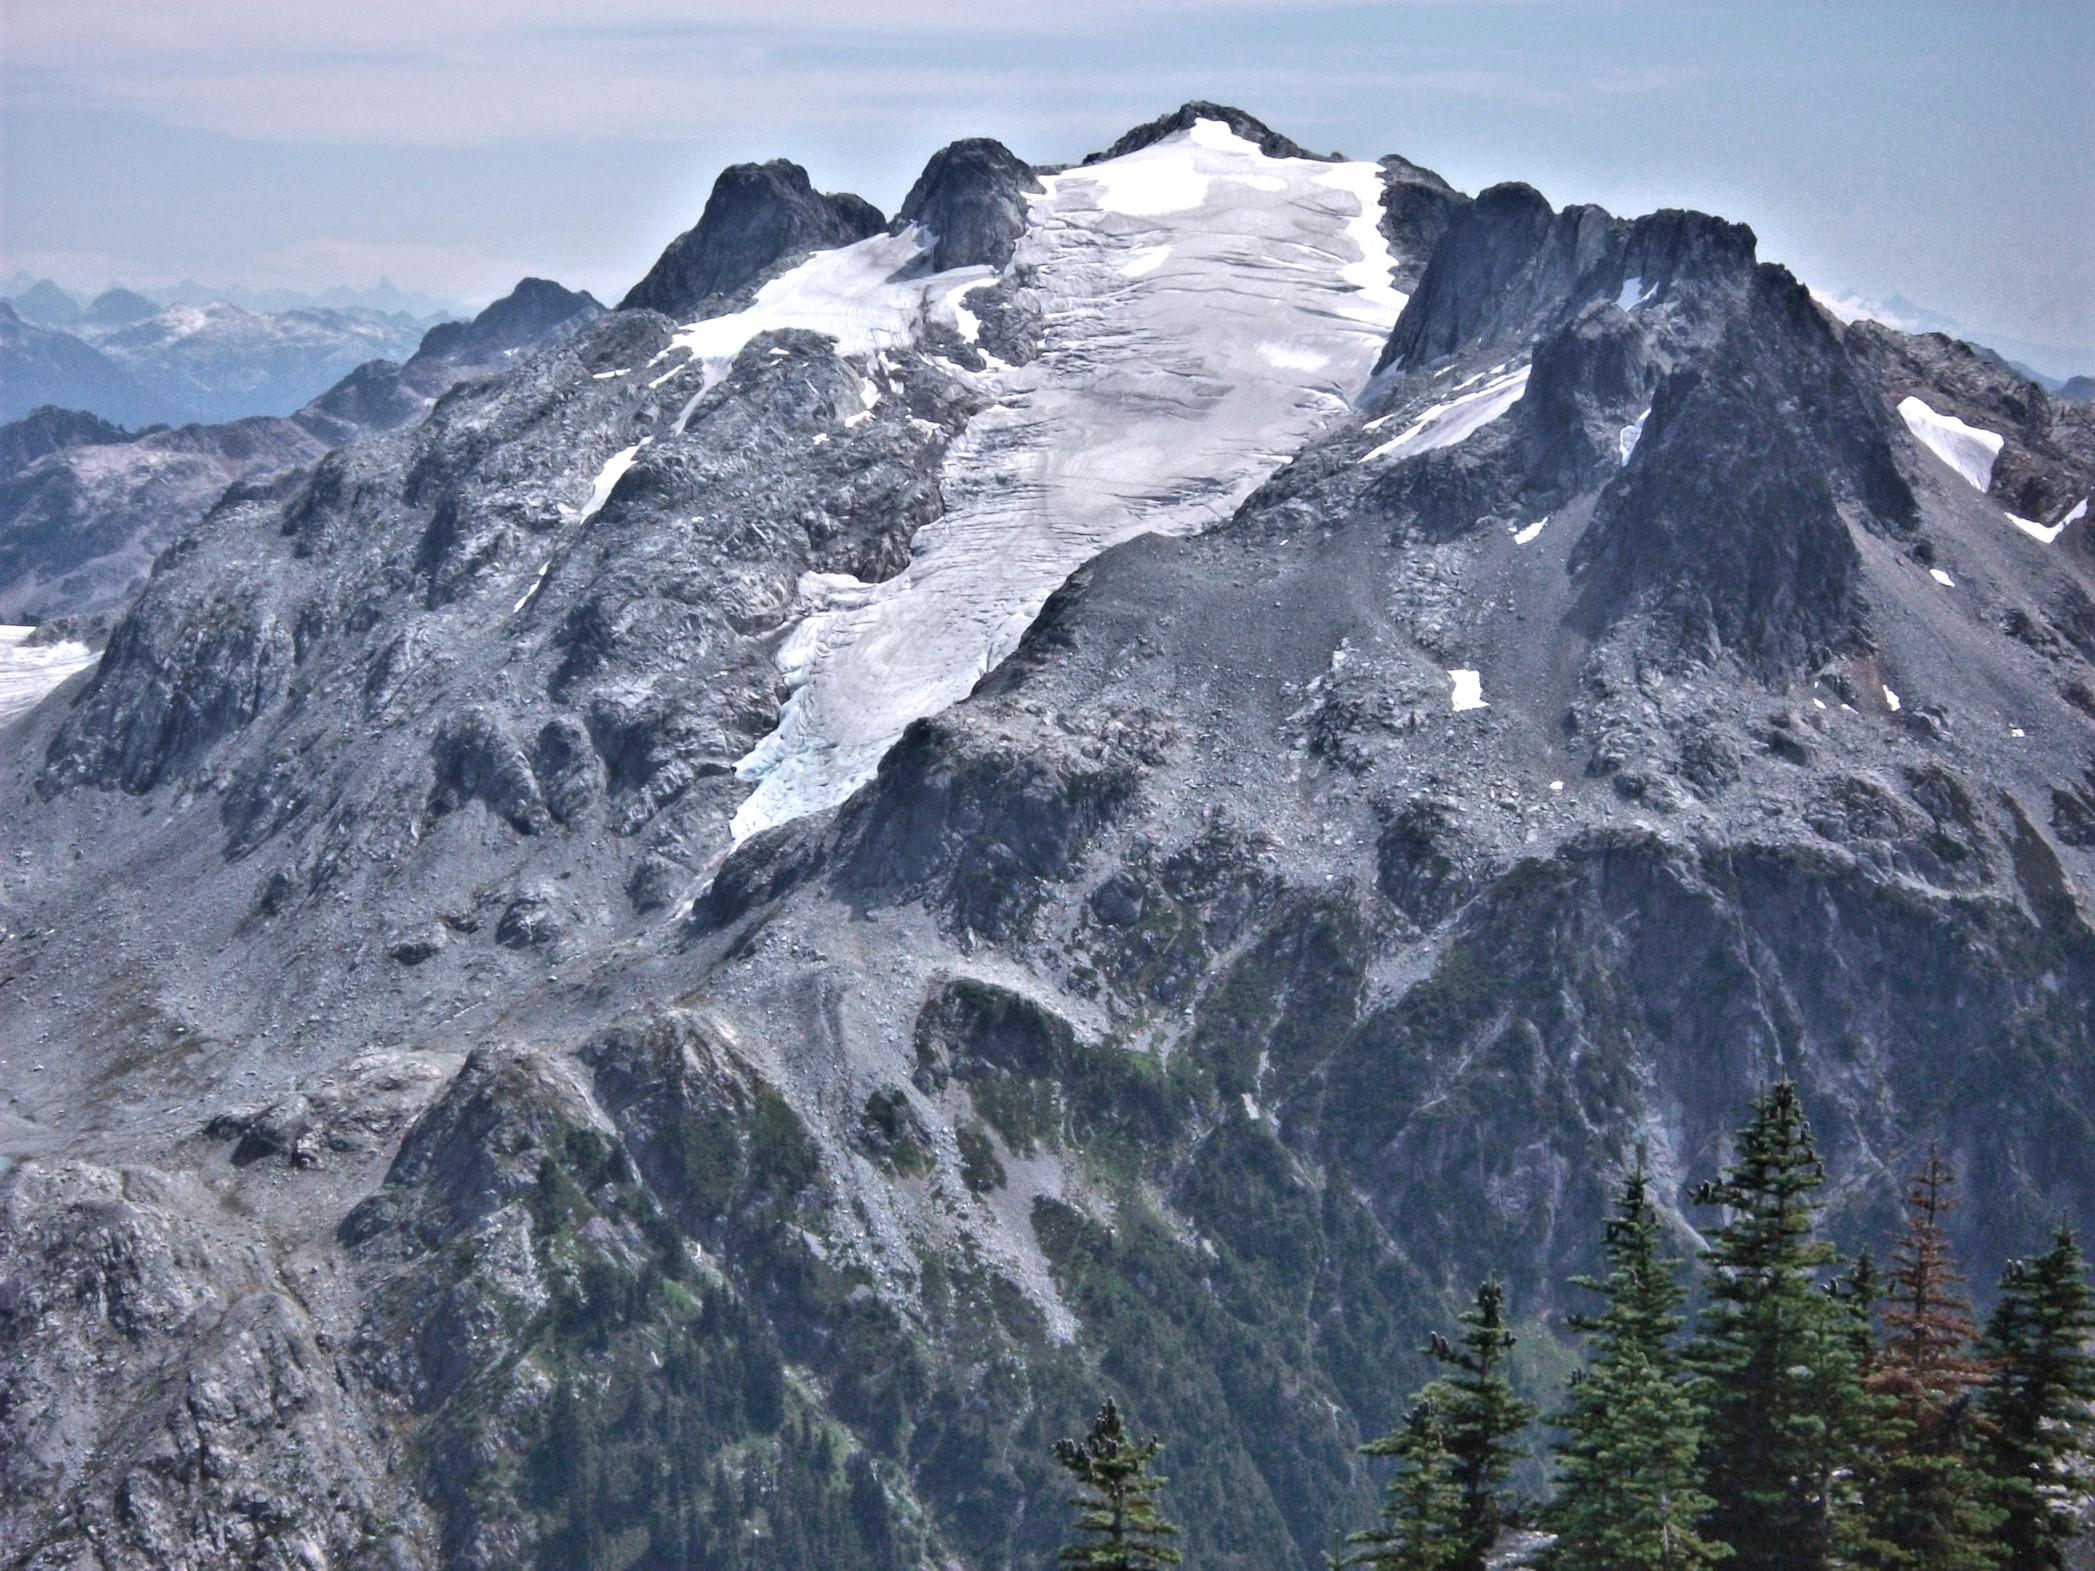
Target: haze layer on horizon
{"points": [[1935, 150]]}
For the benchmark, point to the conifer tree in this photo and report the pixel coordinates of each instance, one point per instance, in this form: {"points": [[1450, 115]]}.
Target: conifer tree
{"points": [[1629, 1472], [1119, 1527], [1777, 1360], [2039, 1403], [1926, 1504], [1479, 1417], [1422, 1511]]}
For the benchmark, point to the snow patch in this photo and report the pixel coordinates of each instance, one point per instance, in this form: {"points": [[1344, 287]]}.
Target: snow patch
{"points": [[1523, 536], [1631, 434], [851, 294], [1444, 425], [1146, 260], [2047, 533], [607, 480], [965, 321], [28, 672], [1965, 448], [537, 584], [1942, 578], [1891, 700], [1283, 358], [1469, 690], [1633, 293], [1164, 280]]}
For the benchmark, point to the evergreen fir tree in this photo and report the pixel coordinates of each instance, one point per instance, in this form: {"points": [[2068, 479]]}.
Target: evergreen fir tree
{"points": [[2039, 1403], [1479, 1416], [1422, 1511], [1778, 1361], [1119, 1527], [1926, 1504], [1629, 1472]]}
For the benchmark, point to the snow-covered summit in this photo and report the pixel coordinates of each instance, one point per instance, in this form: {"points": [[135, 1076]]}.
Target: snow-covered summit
{"points": [[1205, 307]]}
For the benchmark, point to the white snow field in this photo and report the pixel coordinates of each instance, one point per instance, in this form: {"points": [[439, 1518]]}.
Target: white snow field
{"points": [[1446, 424], [1207, 309], [28, 672], [1965, 448], [2044, 534]]}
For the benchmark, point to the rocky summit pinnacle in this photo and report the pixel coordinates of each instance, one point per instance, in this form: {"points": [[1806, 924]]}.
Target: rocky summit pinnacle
{"points": [[671, 937], [972, 197], [757, 215]]}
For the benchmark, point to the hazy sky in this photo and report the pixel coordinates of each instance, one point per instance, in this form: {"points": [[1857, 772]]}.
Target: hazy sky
{"points": [[1942, 151]]}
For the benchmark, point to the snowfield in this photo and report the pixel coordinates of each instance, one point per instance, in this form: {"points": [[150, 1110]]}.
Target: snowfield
{"points": [[1207, 309], [1445, 424], [28, 672], [1965, 448]]}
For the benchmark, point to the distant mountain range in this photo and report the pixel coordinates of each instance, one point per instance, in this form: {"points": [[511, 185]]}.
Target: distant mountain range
{"points": [[385, 296], [131, 359], [85, 505], [2056, 368]]}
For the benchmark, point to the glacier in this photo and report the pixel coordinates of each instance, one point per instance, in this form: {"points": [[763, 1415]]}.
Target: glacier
{"points": [[1206, 309], [29, 671]]}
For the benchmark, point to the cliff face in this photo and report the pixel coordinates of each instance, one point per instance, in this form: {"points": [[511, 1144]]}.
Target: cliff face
{"points": [[447, 1130]]}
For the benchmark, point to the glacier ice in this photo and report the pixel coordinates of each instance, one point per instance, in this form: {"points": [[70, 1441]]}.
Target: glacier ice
{"points": [[28, 672], [1206, 308]]}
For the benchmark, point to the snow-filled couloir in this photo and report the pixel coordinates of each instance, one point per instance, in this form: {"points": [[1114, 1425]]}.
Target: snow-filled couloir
{"points": [[1206, 308]]}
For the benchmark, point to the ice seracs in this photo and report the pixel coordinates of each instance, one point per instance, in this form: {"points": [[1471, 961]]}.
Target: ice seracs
{"points": [[1206, 309], [29, 671]]}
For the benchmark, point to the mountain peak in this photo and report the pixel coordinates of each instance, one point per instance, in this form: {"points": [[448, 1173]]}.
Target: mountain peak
{"points": [[756, 215], [1249, 127], [972, 198]]}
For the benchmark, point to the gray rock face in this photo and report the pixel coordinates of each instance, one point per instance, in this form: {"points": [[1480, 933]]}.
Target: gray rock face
{"points": [[436, 1141], [81, 524], [380, 396], [972, 196], [1417, 207], [1732, 520], [756, 216], [79, 532]]}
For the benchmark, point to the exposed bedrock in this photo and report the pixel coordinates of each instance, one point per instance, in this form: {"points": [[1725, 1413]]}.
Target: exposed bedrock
{"points": [[972, 196], [1732, 517], [757, 215]]}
